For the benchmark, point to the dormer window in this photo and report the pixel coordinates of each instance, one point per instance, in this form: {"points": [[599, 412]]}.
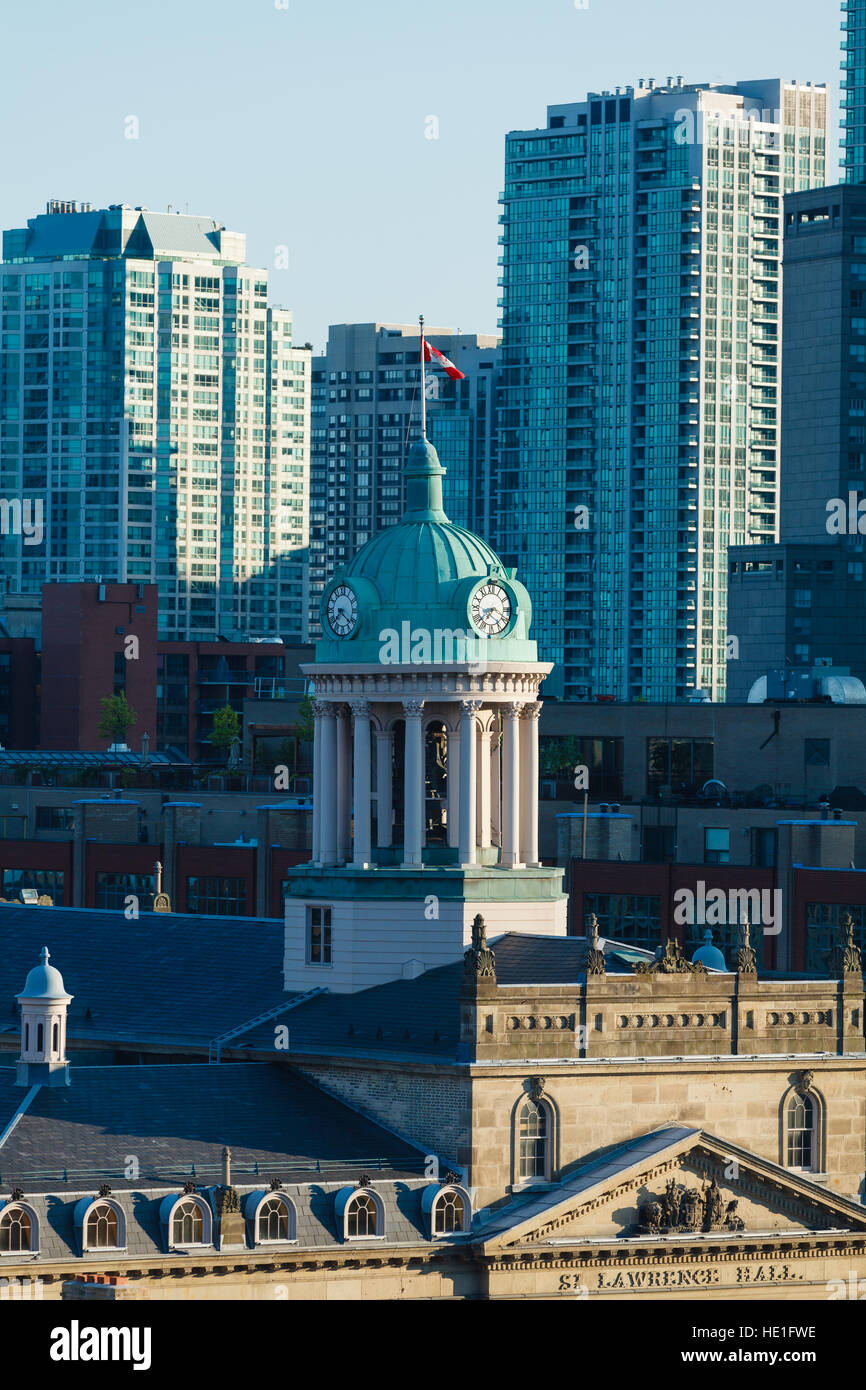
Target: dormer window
{"points": [[18, 1229], [449, 1210], [360, 1212], [449, 1213], [275, 1219], [189, 1223], [104, 1227], [362, 1217]]}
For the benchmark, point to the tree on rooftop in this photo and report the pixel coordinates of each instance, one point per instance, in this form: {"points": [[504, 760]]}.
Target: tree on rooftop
{"points": [[116, 717], [226, 729]]}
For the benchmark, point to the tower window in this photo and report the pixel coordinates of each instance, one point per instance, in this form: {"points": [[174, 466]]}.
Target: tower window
{"points": [[319, 935]]}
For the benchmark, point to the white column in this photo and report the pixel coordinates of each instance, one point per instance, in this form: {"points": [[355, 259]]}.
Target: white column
{"points": [[384, 792], [362, 847], [496, 785], [344, 784], [511, 787], [468, 711], [529, 782], [484, 788], [318, 713], [413, 785], [452, 785], [326, 788]]}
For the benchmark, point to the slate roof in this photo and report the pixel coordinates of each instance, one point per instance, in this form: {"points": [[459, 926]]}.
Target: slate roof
{"points": [[421, 1017], [167, 977], [175, 1120], [176, 978]]}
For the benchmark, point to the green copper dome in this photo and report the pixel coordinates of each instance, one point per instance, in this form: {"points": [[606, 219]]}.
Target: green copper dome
{"points": [[426, 572]]}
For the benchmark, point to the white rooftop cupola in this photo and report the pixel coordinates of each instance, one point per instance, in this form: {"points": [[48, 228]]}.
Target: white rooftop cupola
{"points": [[44, 1003]]}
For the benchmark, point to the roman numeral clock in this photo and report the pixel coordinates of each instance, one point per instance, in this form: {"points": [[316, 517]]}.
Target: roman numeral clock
{"points": [[492, 609], [342, 610]]}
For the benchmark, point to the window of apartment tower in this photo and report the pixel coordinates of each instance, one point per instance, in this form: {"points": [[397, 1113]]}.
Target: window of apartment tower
{"points": [[717, 844], [319, 935]]}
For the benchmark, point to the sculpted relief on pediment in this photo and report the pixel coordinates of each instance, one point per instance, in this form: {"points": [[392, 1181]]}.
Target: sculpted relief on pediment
{"points": [[687, 1196]]}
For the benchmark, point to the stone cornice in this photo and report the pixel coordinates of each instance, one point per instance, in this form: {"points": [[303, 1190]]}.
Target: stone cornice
{"points": [[385, 683]]}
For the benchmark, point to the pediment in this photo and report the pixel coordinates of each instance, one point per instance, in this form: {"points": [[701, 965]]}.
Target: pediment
{"points": [[675, 1184]]}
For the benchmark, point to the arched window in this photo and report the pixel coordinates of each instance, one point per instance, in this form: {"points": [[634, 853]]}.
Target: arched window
{"points": [[533, 1140], [187, 1223], [56, 1042], [39, 1037], [16, 1230], [450, 1212], [101, 1228], [362, 1216], [275, 1221], [27, 1037], [802, 1132]]}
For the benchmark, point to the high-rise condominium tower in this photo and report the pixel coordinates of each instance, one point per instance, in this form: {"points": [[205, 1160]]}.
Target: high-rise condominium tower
{"points": [[366, 406], [638, 434], [156, 413]]}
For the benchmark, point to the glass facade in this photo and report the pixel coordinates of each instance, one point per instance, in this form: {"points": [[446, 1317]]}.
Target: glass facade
{"points": [[633, 919], [155, 411], [822, 931], [216, 896], [639, 370], [853, 95]]}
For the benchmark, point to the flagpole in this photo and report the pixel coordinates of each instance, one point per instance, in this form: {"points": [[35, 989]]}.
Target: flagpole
{"points": [[423, 382]]}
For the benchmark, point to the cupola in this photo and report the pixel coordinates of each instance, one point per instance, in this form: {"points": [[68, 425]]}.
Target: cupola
{"points": [[44, 1003]]}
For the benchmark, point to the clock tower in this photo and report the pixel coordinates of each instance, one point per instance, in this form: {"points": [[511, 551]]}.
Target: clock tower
{"points": [[425, 757]]}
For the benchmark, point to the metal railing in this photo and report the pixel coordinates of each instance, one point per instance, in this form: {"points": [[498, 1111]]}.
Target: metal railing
{"points": [[204, 1171]]}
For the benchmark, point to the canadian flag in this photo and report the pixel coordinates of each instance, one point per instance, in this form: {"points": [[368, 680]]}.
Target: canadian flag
{"points": [[432, 354]]}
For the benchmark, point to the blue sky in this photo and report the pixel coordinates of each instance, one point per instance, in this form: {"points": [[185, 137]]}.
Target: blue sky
{"points": [[305, 126]]}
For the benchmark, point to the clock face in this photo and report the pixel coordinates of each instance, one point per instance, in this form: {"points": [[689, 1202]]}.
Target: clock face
{"points": [[343, 611], [490, 609]]}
